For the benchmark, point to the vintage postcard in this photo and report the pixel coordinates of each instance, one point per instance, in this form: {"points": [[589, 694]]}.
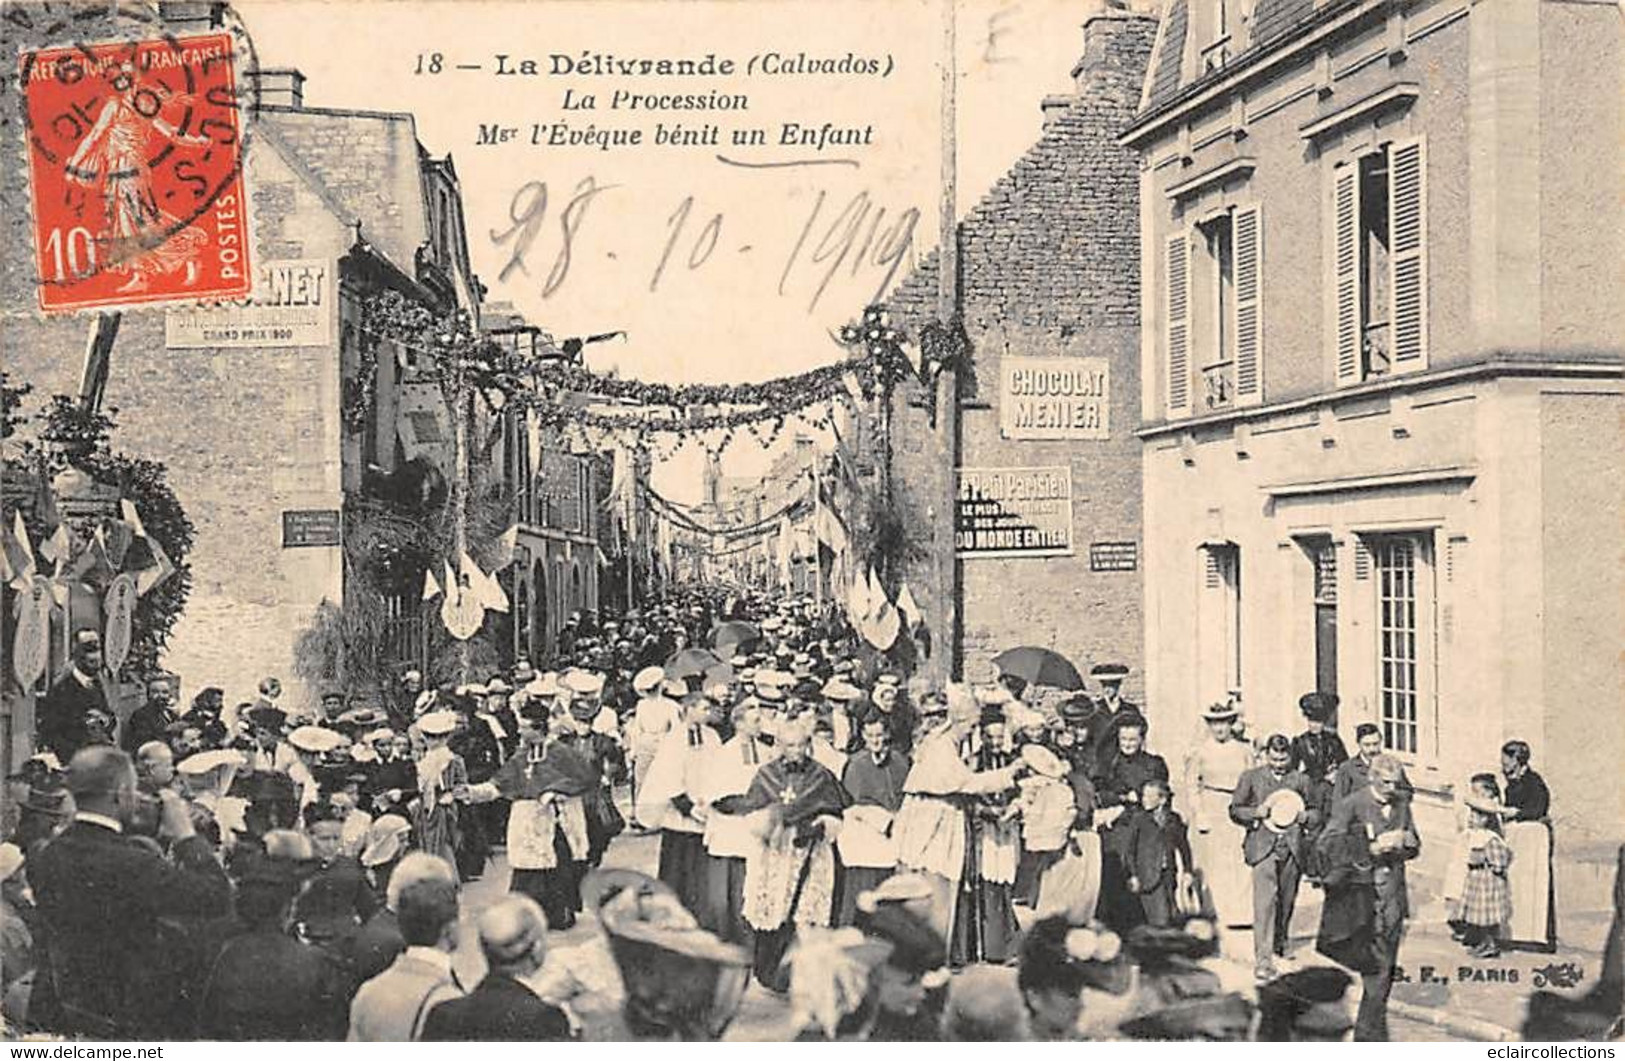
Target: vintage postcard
{"points": [[812, 520]]}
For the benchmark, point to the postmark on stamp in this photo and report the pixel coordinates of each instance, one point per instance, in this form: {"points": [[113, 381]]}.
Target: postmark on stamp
{"points": [[136, 172]]}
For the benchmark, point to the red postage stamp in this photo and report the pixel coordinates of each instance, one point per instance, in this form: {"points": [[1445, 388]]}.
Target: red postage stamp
{"points": [[136, 170]]}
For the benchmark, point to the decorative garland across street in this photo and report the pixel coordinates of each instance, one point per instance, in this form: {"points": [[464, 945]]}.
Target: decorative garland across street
{"points": [[554, 389], [677, 517]]}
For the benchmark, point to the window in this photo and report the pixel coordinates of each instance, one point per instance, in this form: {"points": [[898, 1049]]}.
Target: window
{"points": [[1213, 284], [1219, 621], [1379, 312], [1401, 565]]}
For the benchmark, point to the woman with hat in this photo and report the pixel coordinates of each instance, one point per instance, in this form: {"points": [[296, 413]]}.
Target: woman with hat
{"points": [[441, 775], [1211, 771], [682, 983], [1318, 751], [654, 716]]}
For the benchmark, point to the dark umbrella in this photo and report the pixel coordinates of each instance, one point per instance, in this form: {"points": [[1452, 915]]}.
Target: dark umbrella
{"points": [[691, 661], [1039, 666], [728, 638]]}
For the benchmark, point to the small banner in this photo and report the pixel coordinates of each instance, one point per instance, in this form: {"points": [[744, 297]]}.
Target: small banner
{"points": [[119, 608]]}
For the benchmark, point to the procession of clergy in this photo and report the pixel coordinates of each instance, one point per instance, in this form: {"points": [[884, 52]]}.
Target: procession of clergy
{"points": [[795, 782]]}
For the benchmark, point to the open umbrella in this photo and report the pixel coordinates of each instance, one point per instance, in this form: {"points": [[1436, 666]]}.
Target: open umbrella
{"points": [[691, 661], [728, 638], [1039, 666]]}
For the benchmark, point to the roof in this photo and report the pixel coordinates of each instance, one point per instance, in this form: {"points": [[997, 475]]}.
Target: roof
{"points": [[1046, 244], [368, 163], [1274, 23]]}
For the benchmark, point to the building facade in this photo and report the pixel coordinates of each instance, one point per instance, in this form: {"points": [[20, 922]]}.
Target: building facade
{"points": [[1381, 380], [1050, 296], [260, 412]]}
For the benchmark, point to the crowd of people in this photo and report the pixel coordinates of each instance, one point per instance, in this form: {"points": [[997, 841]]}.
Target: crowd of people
{"points": [[845, 835]]}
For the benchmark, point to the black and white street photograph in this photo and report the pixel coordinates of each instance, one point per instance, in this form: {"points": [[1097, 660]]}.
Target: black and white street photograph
{"points": [[798, 521]]}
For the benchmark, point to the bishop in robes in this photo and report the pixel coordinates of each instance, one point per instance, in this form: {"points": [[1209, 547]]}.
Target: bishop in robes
{"points": [[547, 781], [931, 827], [874, 778], [672, 792], [790, 878]]}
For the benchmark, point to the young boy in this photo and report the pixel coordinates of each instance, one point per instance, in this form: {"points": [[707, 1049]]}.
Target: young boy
{"points": [[1156, 851]]}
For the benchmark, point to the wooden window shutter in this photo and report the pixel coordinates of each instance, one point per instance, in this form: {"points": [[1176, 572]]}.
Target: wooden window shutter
{"points": [[1407, 233], [1248, 244], [1176, 276], [1346, 272], [1210, 563]]}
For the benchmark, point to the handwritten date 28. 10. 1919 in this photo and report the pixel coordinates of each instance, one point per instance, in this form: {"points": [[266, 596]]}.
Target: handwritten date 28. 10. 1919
{"points": [[859, 236]]}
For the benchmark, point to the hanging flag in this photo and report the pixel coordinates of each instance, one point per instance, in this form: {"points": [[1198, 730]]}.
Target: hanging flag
{"points": [[784, 548], [59, 546], [150, 577], [877, 592], [19, 555], [858, 602], [507, 546], [127, 510], [483, 588], [907, 608], [431, 588], [881, 628], [461, 609]]}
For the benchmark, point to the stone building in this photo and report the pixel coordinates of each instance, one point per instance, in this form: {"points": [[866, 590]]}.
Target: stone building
{"points": [[1050, 293], [265, 443], [1381, 376]]}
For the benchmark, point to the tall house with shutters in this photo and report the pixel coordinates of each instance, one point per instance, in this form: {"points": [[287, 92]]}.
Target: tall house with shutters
{"points": [[1381, 342]]}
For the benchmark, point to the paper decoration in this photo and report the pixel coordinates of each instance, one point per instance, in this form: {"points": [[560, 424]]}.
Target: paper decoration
{"points": [[118, 607], [59, 546], [431, 588], [908, 608], [31, 646], [19, 556]]}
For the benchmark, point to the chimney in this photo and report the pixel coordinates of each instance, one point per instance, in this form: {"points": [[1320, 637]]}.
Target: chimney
{"points": [[187, 15], [1116, 47], [279, 87]]}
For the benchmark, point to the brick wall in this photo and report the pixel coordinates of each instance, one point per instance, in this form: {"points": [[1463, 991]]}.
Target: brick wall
{"points": [[1050, 267]]}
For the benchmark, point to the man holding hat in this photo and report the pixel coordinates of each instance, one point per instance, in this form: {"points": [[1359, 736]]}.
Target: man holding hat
{"points": [[75, 712], [1270, 803]]}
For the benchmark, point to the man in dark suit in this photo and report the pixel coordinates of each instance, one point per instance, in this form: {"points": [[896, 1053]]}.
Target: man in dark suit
{"points": [[1272, 846], [75, 712], [152, 720], [265, 984], [513, 937], [101, 896], [1380, 814]]}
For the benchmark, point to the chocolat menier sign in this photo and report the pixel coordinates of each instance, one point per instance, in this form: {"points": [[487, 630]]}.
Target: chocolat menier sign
{"points": [[1054, 398]]}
